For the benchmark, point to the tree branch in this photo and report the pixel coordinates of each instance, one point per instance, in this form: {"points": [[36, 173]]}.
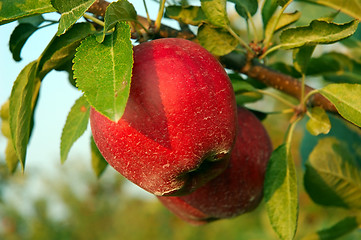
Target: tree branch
{"points": [[237, 62]]}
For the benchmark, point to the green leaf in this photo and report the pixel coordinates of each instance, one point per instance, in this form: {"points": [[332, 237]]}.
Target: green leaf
{"points": [[192, 15], [336, 67], [285, 20], [319, 121], [75, 125], [215, 11], [301, 58], [344, 131], [98, 162], [11, 159], [218, 41], [282, 2], [280, 193], [331, 177], [340, 229], [354, 46], [70, 11], [243, 7], [116, 12], [332, 66], [10, 155], [247, 97], [61, 49], [318, 32], [103, 71], [67, 67], [4, 115], [18, 38], [34, 20], [350, 7], [268, 9], [329, 64], [242, 86], [244, 91], [346, 98], [12, 10], [22, 102]]}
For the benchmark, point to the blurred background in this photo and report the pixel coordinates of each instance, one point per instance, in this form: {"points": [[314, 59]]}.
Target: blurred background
{"points": [[51, 200]]}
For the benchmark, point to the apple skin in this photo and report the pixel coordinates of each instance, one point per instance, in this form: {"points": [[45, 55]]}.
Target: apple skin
{"points": [[179, 124], [239, 189]]}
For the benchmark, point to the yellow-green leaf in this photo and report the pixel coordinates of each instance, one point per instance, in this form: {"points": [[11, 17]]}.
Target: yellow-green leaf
{"points": [[319, 121], [192, 15], [215, 11], [281, 194], [346, 98], [350, 7], [218, 41], [332, 177], [318, 32]]}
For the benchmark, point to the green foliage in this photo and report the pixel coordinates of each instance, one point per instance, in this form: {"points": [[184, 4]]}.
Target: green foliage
{"points": [[246, 8], [331, 171], [350, 7], [22, 103], [99, 52], [21, 34], [318, 32], [211, 38], [70, 11], [215, 11], [281, 194], [98, 162], [276, 23], [301, 58], [346, 98], [10, 155], [106, 84], [345, 132], [17, 9], [244, 90], [338, 230], [319, 122], [117, 12], [268, 9], [61, 49], [192, 15], [75, 125]]}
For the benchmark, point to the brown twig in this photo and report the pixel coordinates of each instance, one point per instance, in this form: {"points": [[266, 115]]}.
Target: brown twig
{"points": [[237, 62]]}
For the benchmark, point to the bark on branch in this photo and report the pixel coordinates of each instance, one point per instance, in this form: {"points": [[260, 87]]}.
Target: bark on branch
{"points": [[237, 62]]}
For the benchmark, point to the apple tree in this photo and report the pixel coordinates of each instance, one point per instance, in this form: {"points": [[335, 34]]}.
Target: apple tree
{"points": [[304, 54]]}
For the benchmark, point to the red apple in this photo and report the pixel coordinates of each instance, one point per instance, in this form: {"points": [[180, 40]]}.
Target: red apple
{"points": [[179, 124], [239, 188]]}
